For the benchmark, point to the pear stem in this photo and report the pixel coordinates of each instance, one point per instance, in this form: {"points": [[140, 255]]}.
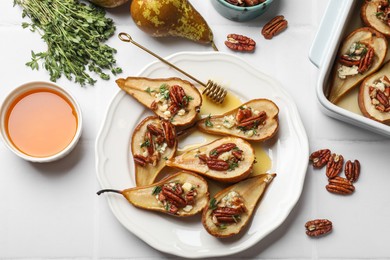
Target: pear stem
{"points": [[214, 46], [108, 190]]}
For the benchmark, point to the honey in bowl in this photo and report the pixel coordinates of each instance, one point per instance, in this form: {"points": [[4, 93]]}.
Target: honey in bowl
{"points": [[41, 122]]}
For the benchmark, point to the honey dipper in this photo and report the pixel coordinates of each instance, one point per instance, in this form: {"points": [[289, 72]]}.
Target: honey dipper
{"points": [[211, 89]]}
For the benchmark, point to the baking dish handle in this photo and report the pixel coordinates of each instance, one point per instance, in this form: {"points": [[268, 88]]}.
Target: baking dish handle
{"points": [[330, 26]]}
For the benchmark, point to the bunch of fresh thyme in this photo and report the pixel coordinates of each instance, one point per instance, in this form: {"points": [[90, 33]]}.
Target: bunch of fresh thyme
{"points": [[74, 33]]}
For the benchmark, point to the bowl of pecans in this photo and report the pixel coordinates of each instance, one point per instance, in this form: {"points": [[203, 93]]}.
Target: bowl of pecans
{"points": [[241, 10]]}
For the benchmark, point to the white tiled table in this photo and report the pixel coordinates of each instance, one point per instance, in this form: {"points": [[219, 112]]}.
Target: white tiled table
{"points": [[52, 211]]}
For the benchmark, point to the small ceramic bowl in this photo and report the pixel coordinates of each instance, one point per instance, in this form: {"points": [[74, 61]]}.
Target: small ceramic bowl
{"points": [[238, 13], [54, 92]]}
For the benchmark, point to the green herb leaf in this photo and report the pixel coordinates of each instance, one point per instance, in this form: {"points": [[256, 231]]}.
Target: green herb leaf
{"points": [[208, 122], [156, 190], [145, 144], [213, 204], [149, 90]]}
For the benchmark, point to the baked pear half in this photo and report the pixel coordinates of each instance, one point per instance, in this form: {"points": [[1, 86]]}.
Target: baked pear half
{"points": [[229, 159], [375, 14], [256, 120], [360, 54], [374, 95], [231, 209], [182, 194], [173, 99], [153, 142]]}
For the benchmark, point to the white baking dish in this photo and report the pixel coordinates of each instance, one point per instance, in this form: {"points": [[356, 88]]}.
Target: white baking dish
{"points": [[341, 17]]}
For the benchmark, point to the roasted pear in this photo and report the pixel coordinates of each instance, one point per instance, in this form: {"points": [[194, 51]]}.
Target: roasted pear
{"points": [[375, 14], [374, 95], [108, 3], [229, 159], [231, 209], [182, 194], [256, 120], [173, 99], [162, 18], [360, 54], [153, 142]]}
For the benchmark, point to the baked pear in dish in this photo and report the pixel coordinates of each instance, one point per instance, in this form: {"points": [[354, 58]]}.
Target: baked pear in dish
{"points": [[360, 54], [153, 142], [182, 194], [231, 209], [374, 95], [229, 159], [256, 120], [173, 99], [376, 14]]}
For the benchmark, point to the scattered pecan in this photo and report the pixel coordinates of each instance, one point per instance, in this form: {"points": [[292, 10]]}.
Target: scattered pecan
{"points": [[274, 27], [216, 152], [154, 105], [366, 61], [340, 185], [237, 154], [318, 227], [190, 197], [217, 164], [169, 133], [320, 158], [352, 170], [334, 165], [238, 42]]}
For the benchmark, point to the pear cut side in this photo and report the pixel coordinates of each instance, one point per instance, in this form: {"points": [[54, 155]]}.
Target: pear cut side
{"points": [[162, 18], [157, 95], [371, 17], [140, 148], [231, 209], [193, 194], [371, 38], [230, 123], [369, 98], [195, 160]]}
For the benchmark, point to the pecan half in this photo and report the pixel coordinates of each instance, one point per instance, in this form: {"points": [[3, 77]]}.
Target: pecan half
{"points": [[366, 61], [243, 114], [238, 42], [320, 158], [352, 170], [172, 196], [274, 27], [227, 214], [340, 185], [348, 61], [169, 133], [334, 165], [155, 130], [318, 227], [216, 152], [150, 143], [140, 160], [253, 121], [217, 164]]}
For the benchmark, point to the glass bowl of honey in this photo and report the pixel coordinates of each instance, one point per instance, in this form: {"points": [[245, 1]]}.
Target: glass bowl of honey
{"points": [[40, 122]]}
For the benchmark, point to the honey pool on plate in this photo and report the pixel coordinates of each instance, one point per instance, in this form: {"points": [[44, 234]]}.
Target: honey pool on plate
{"points": [[41, 122]]}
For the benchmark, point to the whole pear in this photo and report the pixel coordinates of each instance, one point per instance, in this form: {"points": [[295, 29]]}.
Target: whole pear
{"points": [[161, 18]]}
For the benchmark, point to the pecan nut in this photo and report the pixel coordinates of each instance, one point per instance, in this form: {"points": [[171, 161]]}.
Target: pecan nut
{"points": [[352, 170], [346, 60], [334, 165], [243, 114], [340, 185], [318, 227], [366, 61], [140, 160], [238, 42], [169, 133], [217, 164], [155, 130], [274, 27], [175, 198], [320, 158], [227, 214], [253, 121]]}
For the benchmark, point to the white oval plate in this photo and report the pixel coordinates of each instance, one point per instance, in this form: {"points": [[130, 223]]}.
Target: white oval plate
{"points": [[187, 237]]}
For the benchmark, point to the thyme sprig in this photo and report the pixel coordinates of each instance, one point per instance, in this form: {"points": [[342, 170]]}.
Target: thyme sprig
{"points": [[74, 33]]}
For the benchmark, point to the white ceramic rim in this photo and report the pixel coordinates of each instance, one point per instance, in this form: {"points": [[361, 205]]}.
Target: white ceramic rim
{"points": [[38, 85]]}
